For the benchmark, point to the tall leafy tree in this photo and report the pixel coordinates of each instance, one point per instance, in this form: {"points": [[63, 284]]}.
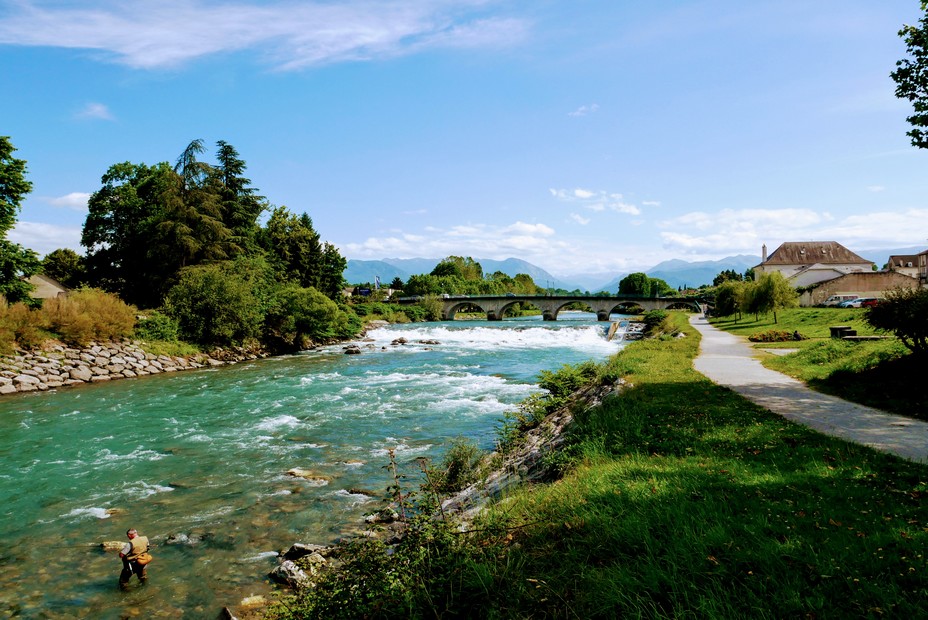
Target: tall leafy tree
{"points": [[904, 312], [911, 77], [16, 262], [64, 265], [120, 228], [635, 284], [240, 203]]}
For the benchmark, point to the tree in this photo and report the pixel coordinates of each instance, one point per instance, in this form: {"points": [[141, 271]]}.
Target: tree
{"points": [[727, 275], [13, 185], [16, 262], [635, 284], [729, 297], [904, 312], [240, 203], [772, 292], [466, 268], [911, 77], [397, 284], [659, 288], [66, 266]]}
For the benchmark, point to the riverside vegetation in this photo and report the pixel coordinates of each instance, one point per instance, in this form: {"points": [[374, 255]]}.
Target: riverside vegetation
{"points": [[676, 498]]}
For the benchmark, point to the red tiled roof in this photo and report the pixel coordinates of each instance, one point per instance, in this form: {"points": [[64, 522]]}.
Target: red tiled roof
{"points": [[811, 252]]}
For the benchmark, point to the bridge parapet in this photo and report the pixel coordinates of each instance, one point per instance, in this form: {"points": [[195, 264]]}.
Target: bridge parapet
{"points": [[495, 306]]}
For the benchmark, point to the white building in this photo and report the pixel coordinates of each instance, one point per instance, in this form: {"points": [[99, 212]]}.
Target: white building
{"points": [[805, 263]]}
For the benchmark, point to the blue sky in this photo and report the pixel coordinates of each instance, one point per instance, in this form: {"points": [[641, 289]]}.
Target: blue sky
{"points": [[590, 136]]}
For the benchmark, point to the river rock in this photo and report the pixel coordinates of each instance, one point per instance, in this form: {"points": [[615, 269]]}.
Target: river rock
{"points": [[288, 573], [299, 550], [353, 350], [81, 373], [399, 341], [8, 388], [385, 515], [112, 545]]}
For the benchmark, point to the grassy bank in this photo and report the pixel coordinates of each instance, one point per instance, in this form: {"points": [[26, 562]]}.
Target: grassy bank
{"points": [[681, 500], [881, 374]]}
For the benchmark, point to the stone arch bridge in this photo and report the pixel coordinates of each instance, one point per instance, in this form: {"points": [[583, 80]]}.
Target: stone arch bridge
{"points": [[495, 306]]}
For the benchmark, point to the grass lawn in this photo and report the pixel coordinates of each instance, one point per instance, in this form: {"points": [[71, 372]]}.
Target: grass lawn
{"points": [[682, 500], [881, 374]]}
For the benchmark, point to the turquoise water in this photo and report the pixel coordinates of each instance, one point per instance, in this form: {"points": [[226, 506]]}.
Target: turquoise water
{"points": [[205, 453]]}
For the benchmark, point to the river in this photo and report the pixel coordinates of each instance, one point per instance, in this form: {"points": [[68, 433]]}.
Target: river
{"points": [[205, 453]]}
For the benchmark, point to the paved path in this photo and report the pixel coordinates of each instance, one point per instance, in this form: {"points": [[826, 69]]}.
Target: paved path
{"points": [[728, 360]]}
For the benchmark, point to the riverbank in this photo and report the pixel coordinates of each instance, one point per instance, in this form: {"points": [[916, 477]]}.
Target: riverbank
{"points": [[59, 366], [679, 498]]}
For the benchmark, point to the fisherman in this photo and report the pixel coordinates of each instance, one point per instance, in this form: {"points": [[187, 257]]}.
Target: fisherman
{"points": [[130, 552]]}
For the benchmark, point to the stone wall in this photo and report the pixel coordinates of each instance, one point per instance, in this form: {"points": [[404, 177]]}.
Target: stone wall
{"points": [[872, 284], [61, 366]]}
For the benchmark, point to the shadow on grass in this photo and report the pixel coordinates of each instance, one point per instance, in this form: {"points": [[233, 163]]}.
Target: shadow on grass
{"points": [[896, 385], [695, 503]]}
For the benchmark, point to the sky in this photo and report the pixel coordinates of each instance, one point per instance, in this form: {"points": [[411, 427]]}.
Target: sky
{"points": [[584, 136]]}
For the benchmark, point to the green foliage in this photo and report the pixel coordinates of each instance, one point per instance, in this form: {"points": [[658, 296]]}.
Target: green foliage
{"points": [[19, 326], [155, 325], [635, 284], [431, 307], [774, 335], [459, 267], [300, 317], [222, 304], [658, 323], [769, 293], [13, 185], [66, 266], [911, 77], [659, 288], [558, 388], [729, 297], [903, 312], [87, 315], [458, 469], [16, 264], [728, 275]]}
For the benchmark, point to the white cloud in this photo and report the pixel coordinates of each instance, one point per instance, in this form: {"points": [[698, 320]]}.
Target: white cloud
{"points": [[875, 188], [96, 111], [597, 201], [75, 200], [290, 34], [583, 221], [731, 231], [584, 110], [43, 238], [529, 241]]}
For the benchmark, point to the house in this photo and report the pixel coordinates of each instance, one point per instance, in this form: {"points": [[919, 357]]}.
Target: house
{"points": [[807, 263], [923, 267], [906, 264], [45, 287]]}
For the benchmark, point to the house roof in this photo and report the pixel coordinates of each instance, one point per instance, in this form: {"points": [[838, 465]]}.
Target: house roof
{"points": [[903, 260], [811, 252]]}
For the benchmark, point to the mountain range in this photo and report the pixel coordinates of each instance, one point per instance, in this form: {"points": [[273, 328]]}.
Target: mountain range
{"points": [[677, 273]]}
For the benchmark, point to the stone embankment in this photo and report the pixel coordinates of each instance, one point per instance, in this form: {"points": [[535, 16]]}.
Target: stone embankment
{"points": [[60, 366]]}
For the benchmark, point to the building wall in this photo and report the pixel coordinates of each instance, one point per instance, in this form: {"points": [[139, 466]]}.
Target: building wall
{"points": [[873, 284]]}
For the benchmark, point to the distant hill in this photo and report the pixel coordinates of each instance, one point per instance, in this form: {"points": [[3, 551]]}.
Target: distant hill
{"points": [[881, 256], [677, 273], [359, 271]]}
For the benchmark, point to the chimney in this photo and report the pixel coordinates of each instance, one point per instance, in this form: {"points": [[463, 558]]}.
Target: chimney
{"points": [[763, 253]]}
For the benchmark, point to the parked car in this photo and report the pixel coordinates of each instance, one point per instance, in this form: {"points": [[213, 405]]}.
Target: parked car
{"points": [[855, 303], [836, 300], [871, 302]]}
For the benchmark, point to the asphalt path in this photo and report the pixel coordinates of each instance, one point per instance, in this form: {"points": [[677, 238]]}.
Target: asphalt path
{"points": [[729, 360]]}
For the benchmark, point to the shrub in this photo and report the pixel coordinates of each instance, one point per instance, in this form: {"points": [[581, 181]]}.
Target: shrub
{"points": [[458, 469], [19, 325], [657, 322], [89, 314], [298, 317], [775, 335], [155, 325], [903, 312]]}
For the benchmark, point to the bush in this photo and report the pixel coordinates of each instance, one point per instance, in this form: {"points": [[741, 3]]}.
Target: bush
{"points": [[775, 335], [19, 325], [221, 304], [458, 469], [88, 314], [155, 325], [657, 322], [299, 317], [905, 313]]}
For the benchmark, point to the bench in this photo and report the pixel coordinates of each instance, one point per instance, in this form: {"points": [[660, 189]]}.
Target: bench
{"points": [[842, 331]]}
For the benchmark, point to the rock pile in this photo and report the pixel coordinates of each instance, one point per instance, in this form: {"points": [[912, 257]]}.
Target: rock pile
{"points": [[61, 366]]}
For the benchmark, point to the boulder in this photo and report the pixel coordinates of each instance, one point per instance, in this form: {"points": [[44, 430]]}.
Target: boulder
{"points": [[288, 573], [81, 373], [299, 550], [26, 380]]}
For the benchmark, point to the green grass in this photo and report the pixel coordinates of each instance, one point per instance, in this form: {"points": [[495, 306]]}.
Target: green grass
{"points": [[684, 501], [881, 374]]}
